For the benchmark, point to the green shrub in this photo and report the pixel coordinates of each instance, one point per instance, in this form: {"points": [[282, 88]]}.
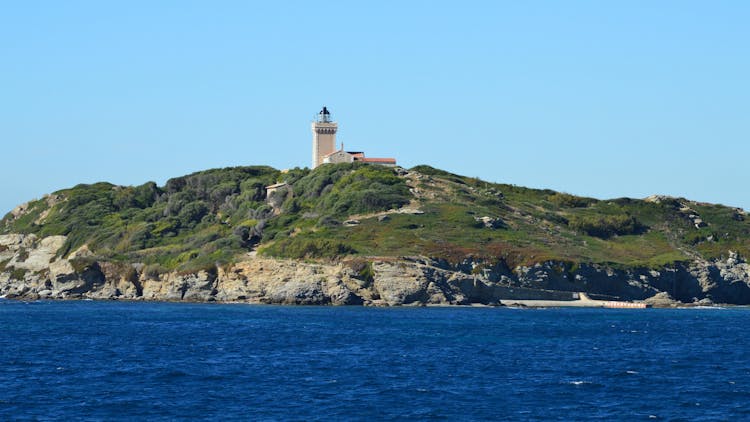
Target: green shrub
{"points": [[139, 237], [363, 270], [18, 274], [605, 226], [699, 236], [82, 264], [153, 271], [192, 213], [298, 248], [25, 223], [208, 263], [253, 186], [166, 227], [367, 273], [135, 197], [570, 201], [366, 189], [328, 221], [555, 218]]}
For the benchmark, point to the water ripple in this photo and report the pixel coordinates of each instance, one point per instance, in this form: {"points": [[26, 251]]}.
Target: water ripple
{"points": [[118, 361]]}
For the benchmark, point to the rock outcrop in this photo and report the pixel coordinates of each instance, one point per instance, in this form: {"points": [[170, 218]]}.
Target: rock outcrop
{"points": [[30, 268]]}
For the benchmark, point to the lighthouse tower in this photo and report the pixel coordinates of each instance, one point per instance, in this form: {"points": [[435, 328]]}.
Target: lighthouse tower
{"points": [[324, 137]]}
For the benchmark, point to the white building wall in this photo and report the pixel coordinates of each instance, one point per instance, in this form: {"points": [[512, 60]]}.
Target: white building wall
{"points": [[339, 157]]}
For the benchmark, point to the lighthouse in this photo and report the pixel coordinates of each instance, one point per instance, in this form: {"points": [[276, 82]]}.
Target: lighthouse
{"points": [[324, 137]]}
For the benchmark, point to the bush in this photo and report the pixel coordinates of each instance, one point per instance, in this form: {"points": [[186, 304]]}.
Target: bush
{"points": [[82, 264], [138, 237], [141, 197], [309, 248], [219, 193], [570, 201], [605, 226], [254, 188], [167, 227], [363, 269], [328, 221], [152, 271], [366, 189], [18, 274], [555, 218], [177, 201], [192, 213]]}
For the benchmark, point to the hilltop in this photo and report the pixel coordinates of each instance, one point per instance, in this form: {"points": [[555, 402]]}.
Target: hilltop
{"points": [[356, 215]]}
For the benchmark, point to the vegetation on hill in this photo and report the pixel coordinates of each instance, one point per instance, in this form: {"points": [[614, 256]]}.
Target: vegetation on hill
{"points": [[192, 222], [213, 217]]}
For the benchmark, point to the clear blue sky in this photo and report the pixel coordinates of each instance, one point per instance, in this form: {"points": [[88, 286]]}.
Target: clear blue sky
{"points": [[598, 98]]}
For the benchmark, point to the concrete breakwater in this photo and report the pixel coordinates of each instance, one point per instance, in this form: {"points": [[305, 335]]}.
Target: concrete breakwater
{"points": [[581, 300], [31, 270]]}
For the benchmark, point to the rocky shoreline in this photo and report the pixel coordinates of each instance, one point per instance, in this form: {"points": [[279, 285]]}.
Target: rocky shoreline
{"points": [[31, 270]]}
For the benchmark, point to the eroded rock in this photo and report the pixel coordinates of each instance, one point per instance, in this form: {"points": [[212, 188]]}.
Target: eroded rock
{"points": [[34, 271]]}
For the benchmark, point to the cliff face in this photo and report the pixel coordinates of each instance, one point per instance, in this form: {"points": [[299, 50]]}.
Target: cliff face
{"points": [[31, 270]]}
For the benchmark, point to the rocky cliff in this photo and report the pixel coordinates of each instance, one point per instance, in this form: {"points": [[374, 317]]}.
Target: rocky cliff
{"points": [[31, 269]]}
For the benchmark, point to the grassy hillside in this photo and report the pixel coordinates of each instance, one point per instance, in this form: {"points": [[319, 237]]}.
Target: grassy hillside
{"points": [[215, 216]]}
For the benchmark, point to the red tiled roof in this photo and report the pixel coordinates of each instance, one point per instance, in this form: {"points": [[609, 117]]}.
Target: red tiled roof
{"points": [[378, 160]]}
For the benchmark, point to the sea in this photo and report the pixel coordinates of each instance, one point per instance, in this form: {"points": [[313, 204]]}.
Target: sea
{"points": [[87, 360]]}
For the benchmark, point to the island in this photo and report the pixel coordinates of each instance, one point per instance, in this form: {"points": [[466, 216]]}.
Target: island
{"points": [[359, 233]]}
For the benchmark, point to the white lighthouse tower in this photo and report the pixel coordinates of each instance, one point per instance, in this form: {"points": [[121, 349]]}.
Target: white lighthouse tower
{"points": [[324, 137]]}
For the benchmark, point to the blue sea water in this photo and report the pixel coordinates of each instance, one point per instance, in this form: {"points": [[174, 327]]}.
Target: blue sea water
{"points": [[163, 361]]}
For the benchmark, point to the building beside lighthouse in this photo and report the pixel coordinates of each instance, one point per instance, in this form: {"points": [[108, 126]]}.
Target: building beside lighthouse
{"points": [[324, 145]]}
